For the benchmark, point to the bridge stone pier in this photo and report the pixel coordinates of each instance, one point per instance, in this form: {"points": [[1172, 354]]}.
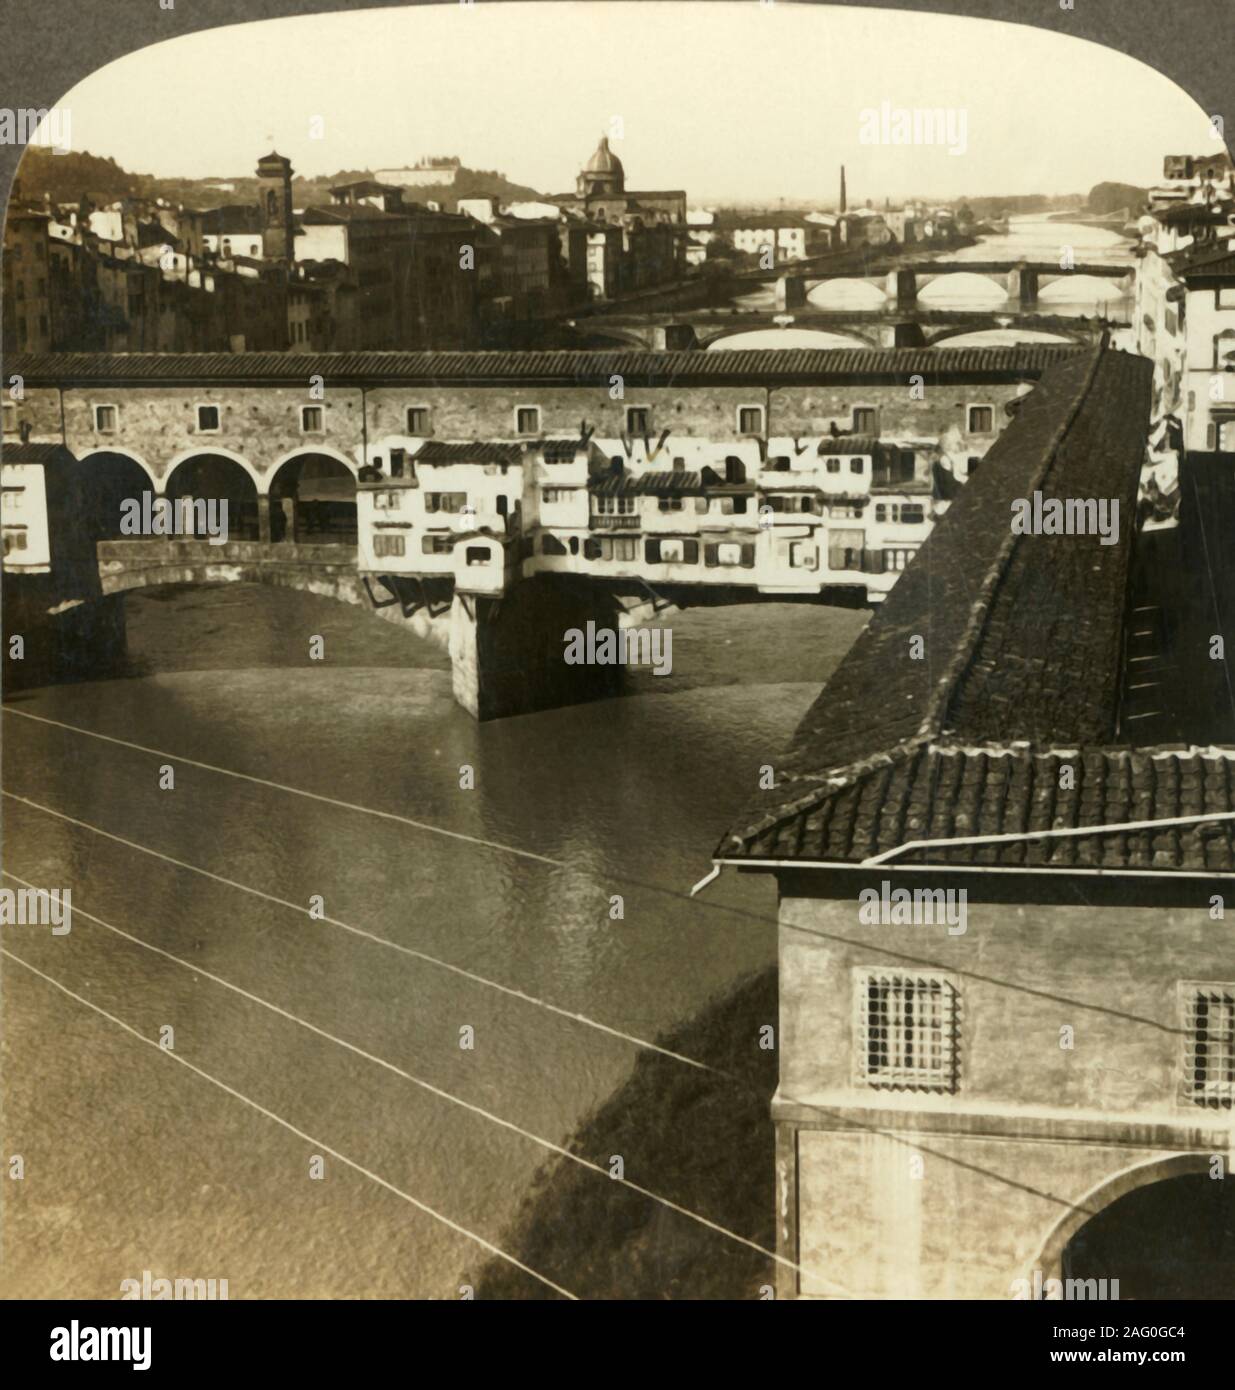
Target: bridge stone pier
{"points": [[507, 654]]}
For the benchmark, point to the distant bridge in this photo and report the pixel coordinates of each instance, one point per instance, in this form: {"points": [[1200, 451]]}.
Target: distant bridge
{"points": [[887, 327], [1021, 281]]}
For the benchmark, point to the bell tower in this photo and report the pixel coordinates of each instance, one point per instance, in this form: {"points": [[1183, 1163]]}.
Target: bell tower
{"points": [[274, 199]]}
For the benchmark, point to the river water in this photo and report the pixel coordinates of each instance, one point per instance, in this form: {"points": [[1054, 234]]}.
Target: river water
{"points": [[487, 909], [135, 1163]]}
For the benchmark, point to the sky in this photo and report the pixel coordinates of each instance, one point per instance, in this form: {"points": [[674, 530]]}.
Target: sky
{"points": [[739, 101]]}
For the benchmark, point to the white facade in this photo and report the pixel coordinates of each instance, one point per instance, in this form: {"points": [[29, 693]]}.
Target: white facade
{"points": [[23, 518]]}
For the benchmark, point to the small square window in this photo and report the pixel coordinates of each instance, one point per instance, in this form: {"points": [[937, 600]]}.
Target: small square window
{"points": [[106, 418], [418, 420], [1209, 1044], [311, 419], [981, 419], [833, 465], [750, 419], [527, 419], [207, 419], [857, 465], [906, 1029], [638, 420], [865, 419]]}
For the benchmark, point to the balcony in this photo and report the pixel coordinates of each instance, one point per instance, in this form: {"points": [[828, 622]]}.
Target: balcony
{"points": [[614, 523]]}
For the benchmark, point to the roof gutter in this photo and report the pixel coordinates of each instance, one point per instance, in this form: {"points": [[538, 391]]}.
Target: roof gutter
{"points": [[887, 856]]}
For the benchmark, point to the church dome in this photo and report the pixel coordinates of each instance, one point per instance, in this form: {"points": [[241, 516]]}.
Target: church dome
{"points": [[604, 161]]}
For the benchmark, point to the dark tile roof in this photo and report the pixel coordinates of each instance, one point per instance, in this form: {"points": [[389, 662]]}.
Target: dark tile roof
{"points": [[661, 483], [1023, 645], [947, 791], [33, 453], [771, 367], [441, 451]]}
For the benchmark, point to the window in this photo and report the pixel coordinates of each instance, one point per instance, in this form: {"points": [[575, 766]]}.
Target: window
{"points": [[865, 419], [387, 545], [207, 419], [527, 419], [555, 494], [857, 465], [906, 1030], [311, 419], [14, 538], [971, 465], [896, 558], [750, 419], [436, 545], [729, 553], [10, 419], [418, 419], [733, 506], [901, 513], [981, 419], [639, 421], [1209, 1044], [477, 555], [106, 418], [550, 545], [619, 548], [445, 501], [614, 506], [833, 464], [670, 504], [387, 501]]}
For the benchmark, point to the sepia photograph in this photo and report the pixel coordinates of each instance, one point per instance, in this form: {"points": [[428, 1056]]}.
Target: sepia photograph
{"points": [[552, 552]]}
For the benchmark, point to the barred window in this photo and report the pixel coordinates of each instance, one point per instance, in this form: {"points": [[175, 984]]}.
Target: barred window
{"points": [[906, 1031], [387, 545], [1209, 1044]]}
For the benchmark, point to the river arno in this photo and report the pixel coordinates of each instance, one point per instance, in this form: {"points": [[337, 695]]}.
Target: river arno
{"points": [[133, 1162]]}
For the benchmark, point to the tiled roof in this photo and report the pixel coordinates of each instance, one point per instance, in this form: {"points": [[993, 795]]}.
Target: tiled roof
{"points": [[1022, 650], [944, 790], [441, 451], [772, 367], [33, 453], [666, 483]]}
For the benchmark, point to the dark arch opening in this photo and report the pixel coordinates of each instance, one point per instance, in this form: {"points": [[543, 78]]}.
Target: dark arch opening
{"points": [[1169, 1239], [313, 501], [108, 480], [213, 477]]}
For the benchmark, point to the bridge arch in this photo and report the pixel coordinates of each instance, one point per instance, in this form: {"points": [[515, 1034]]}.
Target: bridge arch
{"points": [[218, 474], [108, 478], [130, 454], [1104, 1195], [215, 451], [1011, 334], [774, 337], [313, 497], [846, 292], [962, 289]]}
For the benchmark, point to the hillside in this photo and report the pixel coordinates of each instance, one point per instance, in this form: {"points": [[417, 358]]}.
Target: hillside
{"points": [[67, 178]]}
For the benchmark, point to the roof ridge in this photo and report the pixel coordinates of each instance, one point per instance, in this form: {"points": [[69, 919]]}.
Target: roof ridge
{"points": [[945, 688]]}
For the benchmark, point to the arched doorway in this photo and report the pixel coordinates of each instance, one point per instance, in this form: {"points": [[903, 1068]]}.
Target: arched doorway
{"points": [[1174, 1238], [214, 476], [313, 501], [108, 479]]}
